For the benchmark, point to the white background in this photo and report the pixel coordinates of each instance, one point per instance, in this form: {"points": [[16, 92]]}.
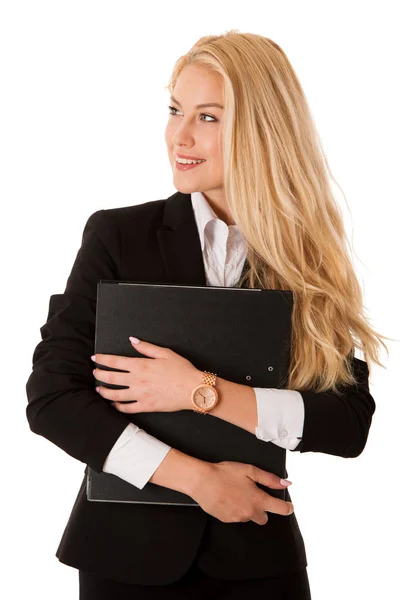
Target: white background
{"points": [[83, 111]]}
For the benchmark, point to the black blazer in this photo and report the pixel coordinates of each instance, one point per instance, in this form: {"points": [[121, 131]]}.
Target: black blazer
{"points": [[158, 241]]}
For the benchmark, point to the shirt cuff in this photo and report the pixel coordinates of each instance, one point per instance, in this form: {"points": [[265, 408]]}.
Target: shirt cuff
{"points": [[280, 416], [135, 456]]}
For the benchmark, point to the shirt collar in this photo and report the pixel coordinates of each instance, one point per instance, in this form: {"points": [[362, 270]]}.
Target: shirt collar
{"points": [[204, 214]]}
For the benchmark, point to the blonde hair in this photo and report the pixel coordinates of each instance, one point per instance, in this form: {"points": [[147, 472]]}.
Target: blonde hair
{"points": [[278, 192]]}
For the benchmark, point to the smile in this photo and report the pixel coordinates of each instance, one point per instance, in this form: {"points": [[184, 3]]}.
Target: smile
{"points": [[186, 167]]}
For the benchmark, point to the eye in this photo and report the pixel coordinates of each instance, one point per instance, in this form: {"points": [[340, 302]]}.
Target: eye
{"points": [[171, 108]]}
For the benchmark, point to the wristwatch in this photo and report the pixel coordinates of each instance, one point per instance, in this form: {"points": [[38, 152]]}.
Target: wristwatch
{"points": [[205, 396]]}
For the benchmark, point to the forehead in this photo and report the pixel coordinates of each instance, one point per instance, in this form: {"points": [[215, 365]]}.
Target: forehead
{"points": [[196, 85]]}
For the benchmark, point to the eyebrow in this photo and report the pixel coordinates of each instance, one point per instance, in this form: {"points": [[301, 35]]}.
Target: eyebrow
{"points": [[199, 105]]}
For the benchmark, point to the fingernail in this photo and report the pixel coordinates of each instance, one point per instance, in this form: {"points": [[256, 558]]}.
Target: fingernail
{"points": [[134, 340], [285, 482], [93, 357]]}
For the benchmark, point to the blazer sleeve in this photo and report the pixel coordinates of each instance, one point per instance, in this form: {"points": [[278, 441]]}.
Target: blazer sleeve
{"points": [[63, 405], [336, 424]]}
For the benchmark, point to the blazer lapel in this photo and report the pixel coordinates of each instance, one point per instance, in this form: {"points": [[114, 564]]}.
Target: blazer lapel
{"points": [[180, 244]]}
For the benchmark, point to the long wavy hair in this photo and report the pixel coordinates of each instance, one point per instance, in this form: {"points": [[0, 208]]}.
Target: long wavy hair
{"points": [[277, 189]]}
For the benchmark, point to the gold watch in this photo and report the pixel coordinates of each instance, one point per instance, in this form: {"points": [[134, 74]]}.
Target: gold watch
{"points": [[205, 396]]}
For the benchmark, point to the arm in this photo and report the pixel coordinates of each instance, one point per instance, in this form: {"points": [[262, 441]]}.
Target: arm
{"points": [[135, 456], [63, 405], [339, 425], [270, 414], [333, 424], [138, 457]]}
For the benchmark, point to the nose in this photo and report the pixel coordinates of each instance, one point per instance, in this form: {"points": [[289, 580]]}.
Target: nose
{"points": [[183, 135]]}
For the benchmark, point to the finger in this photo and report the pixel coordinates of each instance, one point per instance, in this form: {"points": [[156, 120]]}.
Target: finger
{"points": [[114, 360], [272, 504], [128, 407], [149, 349], [276, 505], [115, 395], [113, 377], [261, 519], [269, 479]]}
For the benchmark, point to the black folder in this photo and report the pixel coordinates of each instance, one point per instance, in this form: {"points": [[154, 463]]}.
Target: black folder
{"points": [[241, 334]]}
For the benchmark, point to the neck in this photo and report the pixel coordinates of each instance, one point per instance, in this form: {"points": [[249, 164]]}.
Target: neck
{"points": [[220, 208]]}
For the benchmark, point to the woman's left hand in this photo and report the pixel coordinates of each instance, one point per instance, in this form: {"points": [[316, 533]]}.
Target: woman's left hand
{"points": [[161, 383]]}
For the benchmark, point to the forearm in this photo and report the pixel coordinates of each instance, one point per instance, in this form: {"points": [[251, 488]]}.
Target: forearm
{"points": [[180, 472], [236, 404], [272, 415], [332, 424]]}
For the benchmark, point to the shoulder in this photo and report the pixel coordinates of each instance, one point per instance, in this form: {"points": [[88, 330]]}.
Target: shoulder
{"points": [[128, 214], [146, 209], [108, 221]]}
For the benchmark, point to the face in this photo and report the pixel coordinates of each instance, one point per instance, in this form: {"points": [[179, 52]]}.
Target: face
{"points": [[195, 132]]}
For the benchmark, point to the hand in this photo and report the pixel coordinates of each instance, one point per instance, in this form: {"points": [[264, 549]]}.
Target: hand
{"points": [[161, 383], [227, 491]]}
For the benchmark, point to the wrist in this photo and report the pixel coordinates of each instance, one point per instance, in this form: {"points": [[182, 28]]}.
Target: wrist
{"points": [[195, 380], [180, 472], [200, 472], [191, 473], [204, 395]]}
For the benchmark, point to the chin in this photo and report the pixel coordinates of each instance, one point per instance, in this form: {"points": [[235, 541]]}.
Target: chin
{"points": [[185, 188]]}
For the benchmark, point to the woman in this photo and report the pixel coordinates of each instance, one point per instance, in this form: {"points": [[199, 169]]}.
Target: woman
{"points": [[258, 191]]}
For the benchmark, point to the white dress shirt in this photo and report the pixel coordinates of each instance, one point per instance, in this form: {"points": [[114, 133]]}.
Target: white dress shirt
{"points": [[136, 454]]}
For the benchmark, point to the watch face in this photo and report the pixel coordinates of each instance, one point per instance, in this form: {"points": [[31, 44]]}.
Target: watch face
{"points": [[204, 397]]}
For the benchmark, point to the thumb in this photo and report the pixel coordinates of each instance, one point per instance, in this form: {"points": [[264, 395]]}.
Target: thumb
{"points": [[147, 348]]}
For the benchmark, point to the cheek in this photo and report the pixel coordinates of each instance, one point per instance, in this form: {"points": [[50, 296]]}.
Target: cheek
{"points": [[168, 135], [212, 147], [214, 156]]}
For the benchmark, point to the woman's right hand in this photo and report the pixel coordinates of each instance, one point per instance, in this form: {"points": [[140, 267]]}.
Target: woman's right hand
{"points": [[228, 492]]}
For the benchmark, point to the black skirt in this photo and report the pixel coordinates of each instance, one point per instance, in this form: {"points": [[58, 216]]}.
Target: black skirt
{"points": [[194, 584]]}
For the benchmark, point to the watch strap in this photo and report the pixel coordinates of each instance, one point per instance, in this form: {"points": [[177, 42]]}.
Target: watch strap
{"points": [[209, 378]]}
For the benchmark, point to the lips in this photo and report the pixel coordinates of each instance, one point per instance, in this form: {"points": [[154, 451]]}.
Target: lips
{"points": [[187, 167], [188, 157]]}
